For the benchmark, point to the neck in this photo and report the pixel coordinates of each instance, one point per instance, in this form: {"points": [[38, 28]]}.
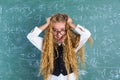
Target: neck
{"points": [[59, 44]]}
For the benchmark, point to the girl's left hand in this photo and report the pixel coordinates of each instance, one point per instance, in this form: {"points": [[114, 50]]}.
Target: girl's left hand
{"points": [[69, 21]]}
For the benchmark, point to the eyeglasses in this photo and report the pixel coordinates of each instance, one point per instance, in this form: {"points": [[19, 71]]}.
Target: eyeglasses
{"points": [[56, 32]]}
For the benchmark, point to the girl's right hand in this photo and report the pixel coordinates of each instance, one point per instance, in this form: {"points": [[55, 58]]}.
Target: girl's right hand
{"points": [[48, 20], [43, 27]]}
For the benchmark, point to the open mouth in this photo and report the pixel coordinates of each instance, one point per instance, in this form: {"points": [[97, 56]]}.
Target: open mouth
{"points": [[59, 39]]}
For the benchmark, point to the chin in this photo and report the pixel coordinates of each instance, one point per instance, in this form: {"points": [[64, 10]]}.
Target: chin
{"points": [[59, 42]]}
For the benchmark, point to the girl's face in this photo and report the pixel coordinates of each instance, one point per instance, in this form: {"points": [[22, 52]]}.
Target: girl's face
{"points": [[59, 32]]}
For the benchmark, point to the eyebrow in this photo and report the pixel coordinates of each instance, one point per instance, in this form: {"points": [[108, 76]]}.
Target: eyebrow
{"points": [[60, 28]]}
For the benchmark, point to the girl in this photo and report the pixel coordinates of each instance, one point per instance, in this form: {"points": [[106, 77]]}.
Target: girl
{"points": [[61, 41]]}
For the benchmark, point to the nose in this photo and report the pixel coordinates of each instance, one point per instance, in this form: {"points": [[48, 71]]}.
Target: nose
{"points": [[59, 35]]}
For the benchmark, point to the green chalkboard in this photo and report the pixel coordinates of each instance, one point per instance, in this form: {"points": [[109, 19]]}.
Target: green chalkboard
{"points": [[19, 59]]}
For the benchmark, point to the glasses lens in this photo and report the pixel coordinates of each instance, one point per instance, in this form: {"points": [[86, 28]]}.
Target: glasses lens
{"points": [[62, 32]]}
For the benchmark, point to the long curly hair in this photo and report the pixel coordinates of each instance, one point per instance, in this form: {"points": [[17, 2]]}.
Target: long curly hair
{"points": [[69, 44]]}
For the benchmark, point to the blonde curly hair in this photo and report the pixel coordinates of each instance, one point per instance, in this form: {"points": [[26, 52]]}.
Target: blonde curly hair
{"points": [[69, 44]]}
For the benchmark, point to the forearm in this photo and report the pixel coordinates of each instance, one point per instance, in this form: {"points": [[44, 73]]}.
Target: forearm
{"points": [[81, 30], [84, 35], [34, 38], [74, 26], [44, 26]]}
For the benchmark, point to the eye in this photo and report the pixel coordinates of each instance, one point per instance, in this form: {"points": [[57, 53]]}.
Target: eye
{"points": [[54, 30], [63, 30]]}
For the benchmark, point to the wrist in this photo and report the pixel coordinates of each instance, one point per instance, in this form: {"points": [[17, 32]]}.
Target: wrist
{"points": [[72, 25], [46, 24]]}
